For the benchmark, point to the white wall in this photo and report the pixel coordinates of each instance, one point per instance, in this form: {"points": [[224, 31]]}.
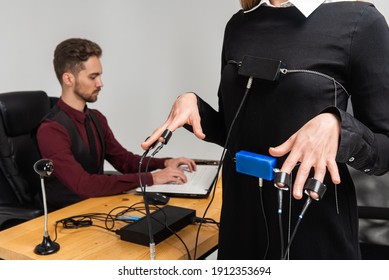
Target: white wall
{"points": [[382, 6], [153, 51]]}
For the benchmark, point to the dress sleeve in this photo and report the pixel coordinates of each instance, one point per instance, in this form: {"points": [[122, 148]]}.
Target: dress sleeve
{"points": [[364, 142]]}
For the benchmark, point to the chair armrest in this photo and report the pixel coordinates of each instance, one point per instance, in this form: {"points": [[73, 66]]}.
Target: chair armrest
{"points": [[378, 213], [10, 216]]}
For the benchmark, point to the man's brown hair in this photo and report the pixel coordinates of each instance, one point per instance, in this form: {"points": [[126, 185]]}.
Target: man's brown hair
{"points": [[70, 55]]}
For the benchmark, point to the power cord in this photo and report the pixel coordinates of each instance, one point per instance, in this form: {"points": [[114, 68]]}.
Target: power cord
{"points": [[205, 221], [88, 220], [85, 220]]}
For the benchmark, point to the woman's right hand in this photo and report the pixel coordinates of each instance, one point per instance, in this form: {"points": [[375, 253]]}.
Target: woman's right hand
{"points": [[184, 111]]}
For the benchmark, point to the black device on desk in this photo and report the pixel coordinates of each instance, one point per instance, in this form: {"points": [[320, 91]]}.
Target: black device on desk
{"points": [[165, 221]]}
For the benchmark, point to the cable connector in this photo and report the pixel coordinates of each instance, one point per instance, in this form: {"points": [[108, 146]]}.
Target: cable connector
{"points": [[72, 223], [260, 182], [152, 251], [197, 220]]}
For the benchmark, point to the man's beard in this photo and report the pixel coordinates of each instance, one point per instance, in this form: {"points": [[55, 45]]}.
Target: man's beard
{"points": [[91, 98]]}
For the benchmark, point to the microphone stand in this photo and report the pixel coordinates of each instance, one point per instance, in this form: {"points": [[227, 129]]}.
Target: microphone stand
{"points": [[47, 246]]}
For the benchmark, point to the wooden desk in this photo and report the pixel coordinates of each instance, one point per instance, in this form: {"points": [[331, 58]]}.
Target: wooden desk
{"points": [[92, 243]]}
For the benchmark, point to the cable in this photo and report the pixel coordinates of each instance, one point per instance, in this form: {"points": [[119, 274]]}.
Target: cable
{"points": [[156, 207], [123, 216], [315, 190], [206, 221], [282, 181], [248, 87], [290, 215], [318, 185], [156, 220], [86, 220], [140, 170], [173, 232], [166, 137], [291, 71], [146, 202], [280, 220], [305, 208], [265, 219]]}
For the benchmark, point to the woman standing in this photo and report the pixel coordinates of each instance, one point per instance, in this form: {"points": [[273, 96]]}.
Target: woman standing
{"points": [[328, 52]]}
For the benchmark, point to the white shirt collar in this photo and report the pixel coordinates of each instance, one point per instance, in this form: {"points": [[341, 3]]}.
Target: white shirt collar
{"points": [[306, 7]]}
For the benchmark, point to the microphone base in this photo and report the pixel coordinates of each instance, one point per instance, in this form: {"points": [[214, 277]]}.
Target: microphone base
{"points": [[47, 247]]}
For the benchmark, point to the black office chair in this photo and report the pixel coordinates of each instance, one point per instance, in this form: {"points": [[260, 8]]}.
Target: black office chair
{"points": [[376, 221], [20, 189], [373, 210]]}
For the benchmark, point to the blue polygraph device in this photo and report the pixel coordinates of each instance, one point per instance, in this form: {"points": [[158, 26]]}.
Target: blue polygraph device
{"points": [[264, 167], [256, 165]]}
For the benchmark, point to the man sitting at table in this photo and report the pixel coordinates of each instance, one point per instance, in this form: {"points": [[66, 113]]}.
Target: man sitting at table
{"points": [[78, 139]]}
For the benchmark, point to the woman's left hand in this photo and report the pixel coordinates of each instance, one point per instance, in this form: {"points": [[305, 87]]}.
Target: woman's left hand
{"points": [[314, 145]]}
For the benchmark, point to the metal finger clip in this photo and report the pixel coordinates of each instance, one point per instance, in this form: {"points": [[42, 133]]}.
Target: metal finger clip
{"points": [[282, 180], [166, 136], [313, 185]]}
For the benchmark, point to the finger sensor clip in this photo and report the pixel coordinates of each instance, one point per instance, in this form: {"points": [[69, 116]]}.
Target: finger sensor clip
{"points": [[166, 136], [282, 180], [313, 185]]}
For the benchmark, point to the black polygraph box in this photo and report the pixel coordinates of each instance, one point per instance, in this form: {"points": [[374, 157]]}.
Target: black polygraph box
{"points": [[164, 222]]}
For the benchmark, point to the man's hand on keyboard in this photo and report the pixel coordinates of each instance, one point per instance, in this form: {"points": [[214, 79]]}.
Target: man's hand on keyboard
{"points": [[169, 175], [181, 161]]}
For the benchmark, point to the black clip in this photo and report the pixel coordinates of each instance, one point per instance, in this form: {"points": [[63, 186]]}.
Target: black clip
{"points": [[166, 136], [313, 185], [282, 180]]}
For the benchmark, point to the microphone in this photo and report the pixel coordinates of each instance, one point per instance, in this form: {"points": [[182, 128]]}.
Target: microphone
{"points": [[44, 168]]}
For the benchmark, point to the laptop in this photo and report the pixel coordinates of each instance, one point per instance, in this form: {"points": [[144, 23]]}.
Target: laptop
{"points": [[199, 184]]}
